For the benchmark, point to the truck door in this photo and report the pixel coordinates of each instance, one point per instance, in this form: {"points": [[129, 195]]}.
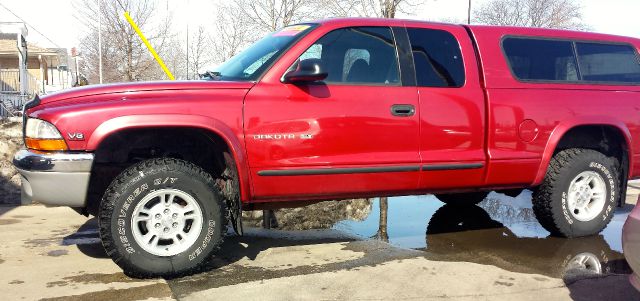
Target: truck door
{"points": [[355, 132], [452, 112]]}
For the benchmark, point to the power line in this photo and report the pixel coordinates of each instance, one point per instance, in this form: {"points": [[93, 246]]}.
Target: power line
{"points": [[35, 29]]}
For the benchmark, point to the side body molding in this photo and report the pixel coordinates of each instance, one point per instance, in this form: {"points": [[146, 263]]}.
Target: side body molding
{"points": [[212, 125], [565, 126]]}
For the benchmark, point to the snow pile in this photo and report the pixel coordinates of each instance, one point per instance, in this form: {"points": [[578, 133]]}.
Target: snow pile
{"points": [[317, 216], [10, 142]]}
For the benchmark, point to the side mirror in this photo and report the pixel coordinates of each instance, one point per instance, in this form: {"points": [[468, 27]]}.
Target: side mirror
{"points": [[309, 70]]}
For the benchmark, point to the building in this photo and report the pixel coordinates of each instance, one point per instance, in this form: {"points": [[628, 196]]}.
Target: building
{"points": [[27, 69]]}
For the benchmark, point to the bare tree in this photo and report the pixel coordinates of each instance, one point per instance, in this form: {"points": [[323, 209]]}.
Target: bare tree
{"points": [[367, 8], [271, 15], [382, 233], [349, 8], [561, 14], [388, 8], [175, 57], [231, 35], [125, 57], [199, 52]]}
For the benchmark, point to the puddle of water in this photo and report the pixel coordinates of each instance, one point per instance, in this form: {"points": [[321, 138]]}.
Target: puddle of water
{"points": [[501, 231], [407, 220]]}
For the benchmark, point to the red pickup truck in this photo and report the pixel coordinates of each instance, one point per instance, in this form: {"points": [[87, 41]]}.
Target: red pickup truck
{"points": [[337, 109]]}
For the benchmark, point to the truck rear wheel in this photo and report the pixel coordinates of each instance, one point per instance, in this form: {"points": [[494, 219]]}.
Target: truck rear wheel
{"points": [[579, 193], [162, 217], [463, 199]]}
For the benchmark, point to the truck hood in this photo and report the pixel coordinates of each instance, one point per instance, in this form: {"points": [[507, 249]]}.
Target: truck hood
{"points": [[141, 86]]}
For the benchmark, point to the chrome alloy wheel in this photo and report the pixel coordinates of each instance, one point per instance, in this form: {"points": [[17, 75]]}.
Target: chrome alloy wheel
{"points": [[587, 196], [166, 222]]}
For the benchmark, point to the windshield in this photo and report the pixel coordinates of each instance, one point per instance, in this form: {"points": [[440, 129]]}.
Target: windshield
{"points": [[249, 64]]}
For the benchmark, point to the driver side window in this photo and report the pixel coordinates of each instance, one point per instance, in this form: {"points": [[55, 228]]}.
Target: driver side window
{"points": [[357, 56]]}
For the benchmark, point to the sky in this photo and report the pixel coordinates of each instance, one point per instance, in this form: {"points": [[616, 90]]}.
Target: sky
{"points": [[56, 20]]}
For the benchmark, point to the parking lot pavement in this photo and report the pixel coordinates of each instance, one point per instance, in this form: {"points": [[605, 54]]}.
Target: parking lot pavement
{"points": [[48, 253], [55, 254]]}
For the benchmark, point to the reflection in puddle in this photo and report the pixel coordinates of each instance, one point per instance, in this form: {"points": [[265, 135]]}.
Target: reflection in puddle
{"points": [[406, 222], [500, 231]]}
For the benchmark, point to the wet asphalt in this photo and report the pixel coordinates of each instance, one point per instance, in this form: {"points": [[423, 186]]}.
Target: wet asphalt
{"points": [[500, 235], [500, 231]]}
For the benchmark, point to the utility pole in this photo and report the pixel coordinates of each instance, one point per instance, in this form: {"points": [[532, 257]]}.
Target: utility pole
{"points": [[187, 7], [187, 50], [22, 59], [74, 54], [100, 39], [469, 13]]}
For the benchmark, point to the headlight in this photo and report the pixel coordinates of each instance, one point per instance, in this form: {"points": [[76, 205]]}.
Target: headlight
{"points": [[40, 129], [42, 135]]}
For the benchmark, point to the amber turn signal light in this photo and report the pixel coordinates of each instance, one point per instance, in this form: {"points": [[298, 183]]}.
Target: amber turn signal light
{"points": [[46, 144]]}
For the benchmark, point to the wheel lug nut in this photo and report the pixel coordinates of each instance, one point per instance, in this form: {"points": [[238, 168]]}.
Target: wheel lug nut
{"points": [[158, 215], [175, 215], [166, 211], [175, 225], [158, 225], [166, 230]]}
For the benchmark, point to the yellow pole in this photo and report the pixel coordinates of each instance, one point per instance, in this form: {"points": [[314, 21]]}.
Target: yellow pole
{"points": [[146, 42]]}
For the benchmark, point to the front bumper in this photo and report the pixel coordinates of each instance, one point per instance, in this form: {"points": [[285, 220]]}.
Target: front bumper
{"points": [[631, 244], [58, 179]]}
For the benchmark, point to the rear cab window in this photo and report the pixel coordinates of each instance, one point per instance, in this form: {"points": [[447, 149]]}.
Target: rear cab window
{"points": [[567, 61], [437, 58]]}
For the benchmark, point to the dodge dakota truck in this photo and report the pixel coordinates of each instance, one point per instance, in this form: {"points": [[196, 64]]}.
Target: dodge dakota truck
{"points": [[338, 109]]}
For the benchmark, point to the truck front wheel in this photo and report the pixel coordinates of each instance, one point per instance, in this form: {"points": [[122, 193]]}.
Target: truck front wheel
{"points": [[579, 193], [162, 217]]}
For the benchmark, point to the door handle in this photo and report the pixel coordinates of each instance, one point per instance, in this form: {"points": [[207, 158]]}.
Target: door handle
{"points": [[403, 110]]}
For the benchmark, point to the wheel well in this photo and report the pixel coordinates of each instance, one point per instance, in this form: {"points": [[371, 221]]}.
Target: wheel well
{"points": [[606, 139], [122, 149]]}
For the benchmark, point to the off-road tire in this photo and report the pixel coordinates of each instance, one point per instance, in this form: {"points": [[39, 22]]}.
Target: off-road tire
{"points": [[130, 187], [463, 199], [550, 199]]}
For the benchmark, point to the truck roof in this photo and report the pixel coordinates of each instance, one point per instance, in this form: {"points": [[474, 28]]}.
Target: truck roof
{"points": [[485, 29], [551, 33]]}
